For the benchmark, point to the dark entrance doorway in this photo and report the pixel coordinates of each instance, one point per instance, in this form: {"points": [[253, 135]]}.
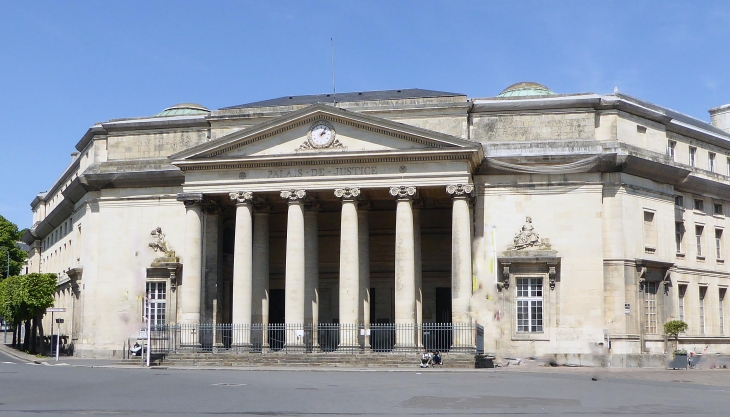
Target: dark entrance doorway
{"points": [[276, 319], [438, 336]]}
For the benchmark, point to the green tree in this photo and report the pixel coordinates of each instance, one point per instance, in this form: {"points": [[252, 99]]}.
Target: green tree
{"points": [[9, 234], [24, 299], [673, 328]]}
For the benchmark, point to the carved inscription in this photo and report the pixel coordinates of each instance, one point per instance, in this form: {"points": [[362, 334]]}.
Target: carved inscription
{"points": [[321, 172]]}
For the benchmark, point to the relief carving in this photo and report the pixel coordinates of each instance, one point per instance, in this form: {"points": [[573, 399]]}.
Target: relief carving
{"points": [[526, 238], [293, 195], [403, 192], [459, 190], [242, 197], [347, 193]]}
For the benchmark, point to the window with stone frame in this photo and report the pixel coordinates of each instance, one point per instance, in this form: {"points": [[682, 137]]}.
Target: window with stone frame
{"points": [[678, 235], [679, 201], [649, 231], [698, 238], [157, 299], [717, 209], [670, 149], [721, 309], [692, 154], [650, 306], [681, 291], [530, 305], [699, 204], [711, 161], [703, 293], [718, 244]]}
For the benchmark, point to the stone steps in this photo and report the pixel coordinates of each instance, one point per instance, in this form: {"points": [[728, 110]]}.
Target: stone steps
{"points": [[320, 360]]}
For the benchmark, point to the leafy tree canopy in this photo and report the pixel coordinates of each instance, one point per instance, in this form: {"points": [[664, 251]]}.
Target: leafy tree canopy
{"points": [[674, 327], [9, 234], [21, 297]]}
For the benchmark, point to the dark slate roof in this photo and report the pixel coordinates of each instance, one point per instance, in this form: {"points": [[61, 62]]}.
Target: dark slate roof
{"points": [[347, 97], [674, 114]]}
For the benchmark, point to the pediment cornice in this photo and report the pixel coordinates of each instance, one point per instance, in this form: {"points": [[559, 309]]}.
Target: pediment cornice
{"points": [[219, 147]]}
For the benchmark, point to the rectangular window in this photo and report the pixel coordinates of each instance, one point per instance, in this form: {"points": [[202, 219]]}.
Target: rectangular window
{"points": [[529, 305], [650, 308], [157, 297], [692, 153], [678, 235], [679, 201], [728, 166], [718, 243], [699, 205], [703, 292], [649, 234], [721, 308], [717, 209], [711, 161], [670, 149], [698, 236], [681, 291]]}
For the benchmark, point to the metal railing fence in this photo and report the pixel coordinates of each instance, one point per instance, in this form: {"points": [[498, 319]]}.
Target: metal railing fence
{"points": [[322, 337]]}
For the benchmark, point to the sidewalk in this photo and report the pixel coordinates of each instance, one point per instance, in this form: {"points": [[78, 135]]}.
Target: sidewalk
{"points": [[62, 360]]}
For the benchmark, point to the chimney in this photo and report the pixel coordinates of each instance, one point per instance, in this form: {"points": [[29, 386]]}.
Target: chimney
{"points": [[720, 117]]}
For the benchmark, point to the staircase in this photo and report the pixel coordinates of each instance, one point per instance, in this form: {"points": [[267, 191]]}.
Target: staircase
{"points": [[338, 360]]}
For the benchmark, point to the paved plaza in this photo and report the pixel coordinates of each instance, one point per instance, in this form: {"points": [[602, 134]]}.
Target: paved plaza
{"points": [[77, 387]]}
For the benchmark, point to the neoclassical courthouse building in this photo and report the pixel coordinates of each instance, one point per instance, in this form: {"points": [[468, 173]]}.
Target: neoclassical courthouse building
{"points": [[569, 226]]}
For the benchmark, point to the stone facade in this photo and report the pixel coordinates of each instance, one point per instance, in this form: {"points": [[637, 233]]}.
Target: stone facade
{"points": [[569, 227]]}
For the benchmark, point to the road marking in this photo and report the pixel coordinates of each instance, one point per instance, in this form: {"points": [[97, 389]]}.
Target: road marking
{"points": [[11, 363], [227, 384]]}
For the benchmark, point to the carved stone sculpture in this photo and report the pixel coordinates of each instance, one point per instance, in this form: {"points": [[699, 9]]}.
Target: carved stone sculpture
{"points": [[526, 238], [403, 192], [293, 195], [347, 193]]}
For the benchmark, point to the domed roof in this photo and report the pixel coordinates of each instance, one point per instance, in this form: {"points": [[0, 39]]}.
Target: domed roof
{"points": [[526, 89], [183, 109]]}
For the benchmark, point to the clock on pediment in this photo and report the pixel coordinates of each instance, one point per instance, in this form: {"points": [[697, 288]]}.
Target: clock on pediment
{"points": [[321, 135]]}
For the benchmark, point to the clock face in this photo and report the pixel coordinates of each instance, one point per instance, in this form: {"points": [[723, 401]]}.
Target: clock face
{"points": [[321, 135]]}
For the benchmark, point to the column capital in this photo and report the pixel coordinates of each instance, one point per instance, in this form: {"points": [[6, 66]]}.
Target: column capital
{"points": [[460, 190], [242, 197], [403, 192], [294, 196], [190, 199], [347, 193]]}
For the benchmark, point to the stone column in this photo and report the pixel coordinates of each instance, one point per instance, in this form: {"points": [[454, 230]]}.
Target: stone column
{"points": [[417, 204], [294, 271], [311, 269], [260, 284], [242, 269], [363, 228], [405, 279], [461, 272], [349, 267], [192, 262]]}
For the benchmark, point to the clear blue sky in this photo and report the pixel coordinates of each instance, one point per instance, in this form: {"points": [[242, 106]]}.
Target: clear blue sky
{"points": [[68, 64]]}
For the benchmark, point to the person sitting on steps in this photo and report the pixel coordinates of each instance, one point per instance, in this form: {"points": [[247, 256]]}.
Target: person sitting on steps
{"points": [[436, 359], [425, 359]]}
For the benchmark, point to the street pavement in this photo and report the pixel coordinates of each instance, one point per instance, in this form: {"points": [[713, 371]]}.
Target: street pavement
{"points": [[99, 388]]}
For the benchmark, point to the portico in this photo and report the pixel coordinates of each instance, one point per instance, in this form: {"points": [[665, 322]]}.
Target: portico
{"points": [[332, 232]]}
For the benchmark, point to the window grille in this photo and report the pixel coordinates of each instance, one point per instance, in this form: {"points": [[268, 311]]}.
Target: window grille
{"points": [[157, 297], [650, 306], [529, 305]]}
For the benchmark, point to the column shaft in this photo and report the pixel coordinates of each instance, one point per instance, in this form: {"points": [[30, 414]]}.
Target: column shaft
{"points": [[349, 274], [243, 273], [461, 275], [405, 288], [418, 272], [192, 274], [294, 270]]}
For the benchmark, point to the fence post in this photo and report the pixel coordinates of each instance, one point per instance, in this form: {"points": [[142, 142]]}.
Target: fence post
{"points": [[215, 326]]}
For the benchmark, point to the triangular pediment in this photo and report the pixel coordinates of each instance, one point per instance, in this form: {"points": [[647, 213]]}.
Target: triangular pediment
{"points": [[322, 130]]}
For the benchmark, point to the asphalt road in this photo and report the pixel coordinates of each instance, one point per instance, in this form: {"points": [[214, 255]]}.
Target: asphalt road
{"points": [[30, 389]]}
